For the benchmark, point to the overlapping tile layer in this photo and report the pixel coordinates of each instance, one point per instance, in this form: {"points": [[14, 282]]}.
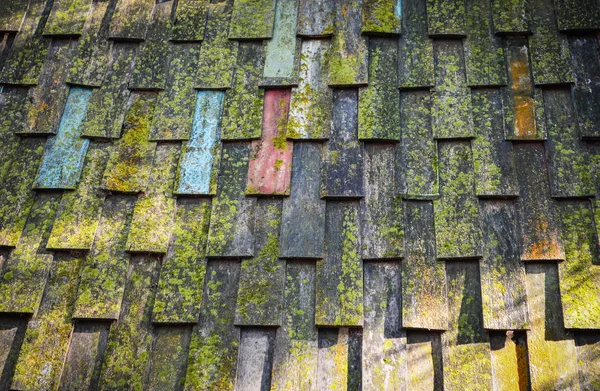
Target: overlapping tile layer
{"points": [[300, 195]]}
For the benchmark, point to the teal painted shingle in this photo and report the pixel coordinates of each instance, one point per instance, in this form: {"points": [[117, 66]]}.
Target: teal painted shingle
{"points": [[65, 153]]}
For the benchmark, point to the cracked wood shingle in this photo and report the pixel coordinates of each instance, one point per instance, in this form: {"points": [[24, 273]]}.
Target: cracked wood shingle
{"points": [[457, 220], [465, 349], [303, 215], [296, 342], [44, 350], [538, 228], [200, 155], [270, 166], [415, 64], [342, 166], [339, 298], [378, 114], [493, 157], [417, 154], [231, 232], [384, 351], [524, 115], [129, 165], [568, 160], [214, 347], [103, 274], [79, 211], [424, 299], [179, 291], [382, 221], [259, 298], [108, 105], [503, 288], [310, 105], [242, 109]]}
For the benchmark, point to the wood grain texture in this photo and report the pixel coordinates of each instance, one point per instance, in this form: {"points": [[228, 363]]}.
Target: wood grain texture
{"points": [[503, 288], [296, 342], [303, 215], [231, 232], [339, 299], [382, 213], [538, 227], [551, 349], [343, 156], [259, 299], [310, 105], [466, 350], [417, 154], [424, 300], [585, 58], [384, 351]]}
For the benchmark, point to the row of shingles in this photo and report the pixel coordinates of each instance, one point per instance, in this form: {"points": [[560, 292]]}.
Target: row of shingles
{"points": [[145, 160], [216, 342], [563, 171], [96, 157], [61, 167], [33, 282], [457, 187]]}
